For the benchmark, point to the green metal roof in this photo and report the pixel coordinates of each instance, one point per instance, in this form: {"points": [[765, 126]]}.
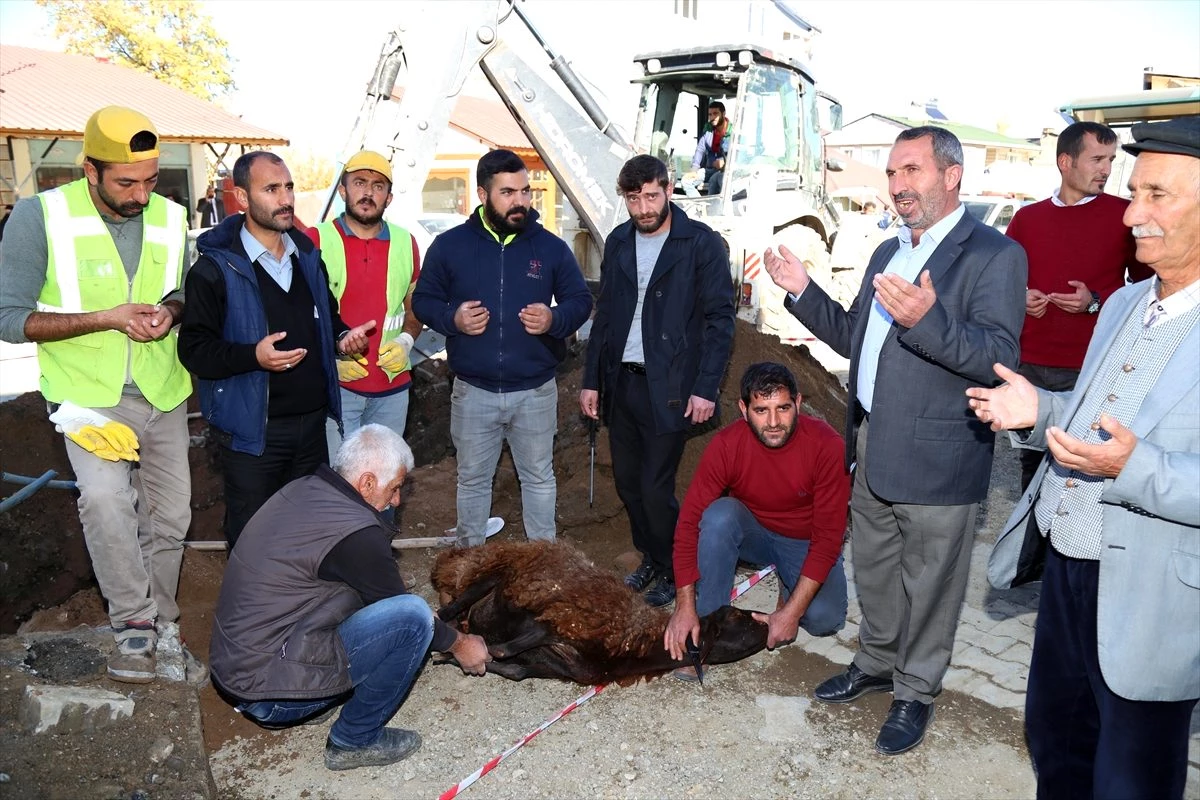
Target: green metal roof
{"points": [[967, 133]]}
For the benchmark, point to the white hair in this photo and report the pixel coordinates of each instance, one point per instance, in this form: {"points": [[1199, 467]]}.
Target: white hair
{"points": [[376, 449]]}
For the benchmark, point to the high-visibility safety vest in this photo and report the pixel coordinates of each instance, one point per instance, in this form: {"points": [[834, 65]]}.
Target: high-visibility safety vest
{"points": [[84, 273], [399, 271]]}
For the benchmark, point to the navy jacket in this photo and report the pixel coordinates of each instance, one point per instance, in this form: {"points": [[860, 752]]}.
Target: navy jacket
{"points": [[687, 318], [223, 321], [468, 263]]}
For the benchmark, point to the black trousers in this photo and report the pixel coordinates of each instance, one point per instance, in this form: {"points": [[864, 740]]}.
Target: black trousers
{"points": [[1087, 741], [295, 447], [644, 466]]}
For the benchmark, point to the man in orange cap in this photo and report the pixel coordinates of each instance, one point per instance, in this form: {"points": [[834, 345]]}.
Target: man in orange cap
{"points": [[372, 266], [91, 271]]}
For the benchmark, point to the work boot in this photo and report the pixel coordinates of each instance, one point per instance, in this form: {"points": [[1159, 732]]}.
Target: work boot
{"points": [[393, 744], [175, 661], [662, 592], [641, 577], [132, 660]]}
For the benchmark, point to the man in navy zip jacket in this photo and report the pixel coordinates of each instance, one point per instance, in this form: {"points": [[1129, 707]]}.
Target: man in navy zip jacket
{"points": [[487, 286], [261, 333]]}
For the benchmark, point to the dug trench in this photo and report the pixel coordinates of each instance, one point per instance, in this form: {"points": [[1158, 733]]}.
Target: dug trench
{"points": [[749, 730]]}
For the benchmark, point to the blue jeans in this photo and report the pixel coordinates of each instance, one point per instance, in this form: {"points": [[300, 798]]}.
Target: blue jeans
{"points": [[728, 531], [480, 421], [386, 643], [390, 410]]}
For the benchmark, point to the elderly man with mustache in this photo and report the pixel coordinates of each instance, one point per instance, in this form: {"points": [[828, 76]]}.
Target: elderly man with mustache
{"points": [[373, 266], [1115, 671], [261, 332]]}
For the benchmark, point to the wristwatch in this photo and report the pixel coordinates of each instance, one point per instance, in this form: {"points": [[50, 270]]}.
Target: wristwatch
{"points": [[1094, 306]]}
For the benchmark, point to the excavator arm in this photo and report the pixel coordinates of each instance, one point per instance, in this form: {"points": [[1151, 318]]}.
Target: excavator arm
{"points": [[432, 54]]}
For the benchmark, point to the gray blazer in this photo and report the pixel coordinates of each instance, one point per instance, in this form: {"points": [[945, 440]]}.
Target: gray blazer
{"points": [[926, 447], [1148, 616]]}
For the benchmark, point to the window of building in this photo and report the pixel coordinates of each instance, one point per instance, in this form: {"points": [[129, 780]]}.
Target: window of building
{"points": [[445, 191]]}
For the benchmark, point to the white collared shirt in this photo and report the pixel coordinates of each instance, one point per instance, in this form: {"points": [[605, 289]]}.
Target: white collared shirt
{"points": [[1159, 311], [907, 262], [1083, 201], [280, 270]]}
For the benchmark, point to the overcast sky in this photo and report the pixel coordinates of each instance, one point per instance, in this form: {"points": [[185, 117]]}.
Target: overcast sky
{"points": [[301, 66]]}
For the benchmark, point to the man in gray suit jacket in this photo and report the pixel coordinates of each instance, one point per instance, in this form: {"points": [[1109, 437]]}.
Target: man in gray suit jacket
{"points": [[915, 345], [1115, 671]]}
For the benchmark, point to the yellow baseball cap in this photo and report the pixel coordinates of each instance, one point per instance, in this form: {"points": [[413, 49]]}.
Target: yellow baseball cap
{"points": [[368, 159], [108, 134]]}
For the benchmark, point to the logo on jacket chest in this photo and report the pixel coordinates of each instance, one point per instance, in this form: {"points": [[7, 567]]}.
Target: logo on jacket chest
{"points": [[535, 269]]}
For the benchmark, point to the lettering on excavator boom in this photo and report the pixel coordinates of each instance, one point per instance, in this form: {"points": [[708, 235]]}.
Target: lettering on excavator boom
{"points": [[595, 192]]}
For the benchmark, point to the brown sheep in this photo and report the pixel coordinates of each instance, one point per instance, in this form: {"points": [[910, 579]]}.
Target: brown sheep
{"points": [[548, 612]]}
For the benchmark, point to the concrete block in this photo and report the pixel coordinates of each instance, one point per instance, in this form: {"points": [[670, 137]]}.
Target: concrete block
{"points": [[1019, 653], [840, 655], [1000, 608], [1012, 676], [72, 709], [821, 645], [961, 680], [976, 659], [974, 618], [1001, 698], [991, 643], [848, 633], [1015, 628]]}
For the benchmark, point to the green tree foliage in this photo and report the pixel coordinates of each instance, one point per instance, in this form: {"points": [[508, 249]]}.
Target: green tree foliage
{"points": [[173, 40]]}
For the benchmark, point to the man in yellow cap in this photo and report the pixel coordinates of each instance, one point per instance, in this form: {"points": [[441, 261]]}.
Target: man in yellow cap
{"points": [[92, 271], [372, 266]]}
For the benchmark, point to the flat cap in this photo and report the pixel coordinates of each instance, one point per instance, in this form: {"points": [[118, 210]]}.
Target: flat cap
{"points": [[1179, 136]]}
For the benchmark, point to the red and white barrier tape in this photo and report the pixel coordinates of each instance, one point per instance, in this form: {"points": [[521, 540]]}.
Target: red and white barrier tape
{"points": [[457, 788]]}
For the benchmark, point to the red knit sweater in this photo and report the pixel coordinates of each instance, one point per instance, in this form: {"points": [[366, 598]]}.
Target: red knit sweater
{"points": [[1088, 243], [800, 490]]}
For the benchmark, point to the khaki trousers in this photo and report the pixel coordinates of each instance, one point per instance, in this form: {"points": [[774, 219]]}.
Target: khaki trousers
{"points": [[135, 515]]}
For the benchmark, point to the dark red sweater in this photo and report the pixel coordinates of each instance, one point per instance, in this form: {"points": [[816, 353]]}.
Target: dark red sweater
{"points": [[365, 298], [1088, 243], [800, 490]]}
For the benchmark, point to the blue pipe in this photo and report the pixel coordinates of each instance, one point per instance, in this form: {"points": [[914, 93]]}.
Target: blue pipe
{"points": [[28, 491], [8, 477]]}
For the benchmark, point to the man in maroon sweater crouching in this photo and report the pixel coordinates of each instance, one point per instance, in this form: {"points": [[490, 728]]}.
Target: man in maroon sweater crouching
{"points": [[1079, 252], [771, 488]]}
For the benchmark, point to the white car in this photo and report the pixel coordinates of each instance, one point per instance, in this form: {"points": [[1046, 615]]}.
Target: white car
{"points": [[994, 211], [428, 224]]}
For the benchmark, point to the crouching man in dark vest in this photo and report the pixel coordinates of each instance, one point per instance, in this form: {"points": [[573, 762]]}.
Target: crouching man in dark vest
{"points": [[313, 611]]}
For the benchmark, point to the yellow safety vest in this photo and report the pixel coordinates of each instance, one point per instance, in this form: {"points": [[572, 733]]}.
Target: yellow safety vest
{"points": [[84, 273], [399, 271]]}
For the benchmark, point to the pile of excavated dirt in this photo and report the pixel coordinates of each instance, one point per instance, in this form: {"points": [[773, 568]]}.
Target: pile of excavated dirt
{"points": [[750, 730]]}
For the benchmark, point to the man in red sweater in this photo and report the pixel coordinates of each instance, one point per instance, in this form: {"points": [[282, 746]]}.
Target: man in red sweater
{"points": [[771, 488], [1079, 251], [373, 266]]}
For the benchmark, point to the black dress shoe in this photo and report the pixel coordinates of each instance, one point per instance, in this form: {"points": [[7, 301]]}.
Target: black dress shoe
{"points": [[905, 727], [641, 577], [850, 685], [662, 592]]}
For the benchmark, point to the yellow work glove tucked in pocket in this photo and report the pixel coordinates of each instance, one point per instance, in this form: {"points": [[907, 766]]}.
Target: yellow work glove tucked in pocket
{"points": [[351, 368], [102, 437], [393, 355]]}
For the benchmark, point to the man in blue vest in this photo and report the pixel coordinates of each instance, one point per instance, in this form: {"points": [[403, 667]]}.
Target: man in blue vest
{"points": [[261, 332], [91, 272], [372, 266]]}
